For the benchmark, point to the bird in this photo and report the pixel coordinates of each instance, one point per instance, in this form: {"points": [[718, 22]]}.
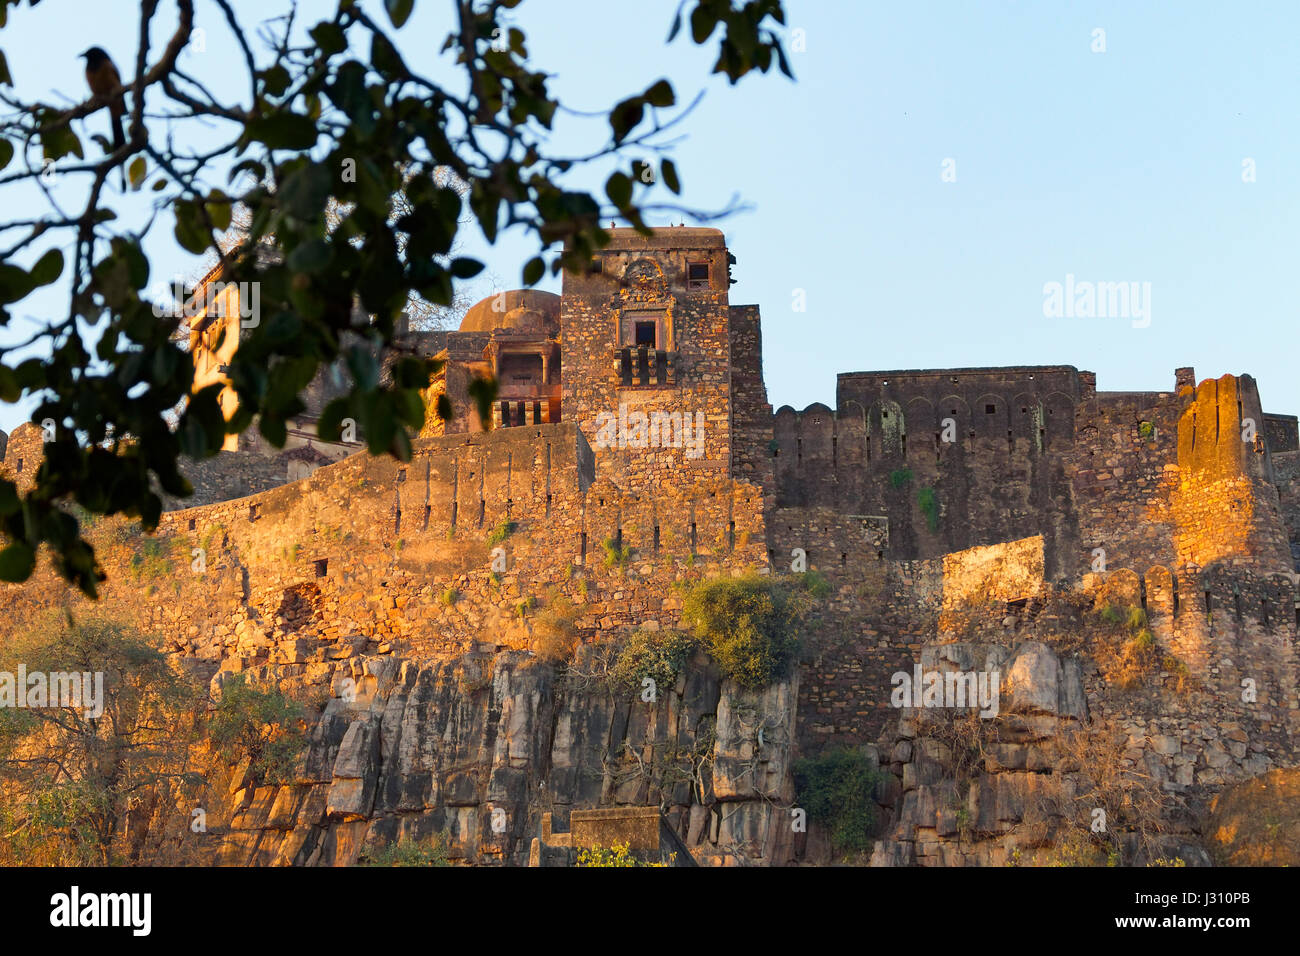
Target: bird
{"points": [[103, 79]]}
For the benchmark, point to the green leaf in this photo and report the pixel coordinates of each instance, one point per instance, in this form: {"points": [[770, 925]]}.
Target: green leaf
{"points": [[191, 233], [159, 184], [15, 283], [624, 117], [484, 392], [669, 173], [218, 207], [17, 562], [273, 430], [534, 269], [6, 152], [466, 268], [9, 390], [399, 11], [48, 268], [283, 131], [6, 78], [311, 256], [305, 192], [329, 38], [135, 173], [619, 190], [677, 23], [275, 80], [385, 57], [661, 94]]}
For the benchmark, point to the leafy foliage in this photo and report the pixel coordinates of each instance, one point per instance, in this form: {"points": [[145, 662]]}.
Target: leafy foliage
{"points": [[616, 855], [836, 790], [500, 533], [68, 780], [616, 555], [749, 625], [410, 853], [659, 655], [261, 725], [555, 635], [331, 123], [928, 502]]}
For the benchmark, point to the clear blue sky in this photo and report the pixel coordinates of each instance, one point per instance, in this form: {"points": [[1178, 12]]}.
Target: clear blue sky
{"points": [[1117, 166]]}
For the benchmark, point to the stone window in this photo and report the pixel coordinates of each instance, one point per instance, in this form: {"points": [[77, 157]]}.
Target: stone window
{"points": [[697, 275], [632, 330], [990, 409], [520, 370]]}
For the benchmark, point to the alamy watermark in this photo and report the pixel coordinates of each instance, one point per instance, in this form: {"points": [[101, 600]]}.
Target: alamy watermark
{"points": [[659, 429], [39, 689], [946, 689], [210, 300], [1098, 300]]}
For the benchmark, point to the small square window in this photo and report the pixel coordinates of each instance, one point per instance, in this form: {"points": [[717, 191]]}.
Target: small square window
{"points": [[990, 409], [645, 334], [697, 275], [597, 266]]}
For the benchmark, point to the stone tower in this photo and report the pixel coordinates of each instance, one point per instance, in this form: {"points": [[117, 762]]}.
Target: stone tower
{"points": [[646, 340]]}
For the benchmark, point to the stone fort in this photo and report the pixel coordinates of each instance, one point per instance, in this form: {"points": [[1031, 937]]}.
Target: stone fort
{"points": [[632, 447]]}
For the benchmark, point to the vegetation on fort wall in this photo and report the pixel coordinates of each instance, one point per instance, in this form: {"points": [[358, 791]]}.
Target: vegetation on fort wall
{"points": [[750, 625], [1133, 656], [836, 789], [500, 533], [616, 555], [928, 502]]}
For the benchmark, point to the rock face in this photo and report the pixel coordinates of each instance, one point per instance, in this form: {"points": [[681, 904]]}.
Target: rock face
{"points": [[992, 790], [481, 748]]}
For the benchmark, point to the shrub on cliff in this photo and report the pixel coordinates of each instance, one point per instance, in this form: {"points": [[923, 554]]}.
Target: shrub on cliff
{"points": [[258, 724], [555, 635], [749, 625], [409, 853], [657, 655], [836, 789]]}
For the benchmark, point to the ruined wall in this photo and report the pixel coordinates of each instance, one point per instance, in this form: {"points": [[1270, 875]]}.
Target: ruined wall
{"points": [[884, 452], [1286, 472], [751, 452]]}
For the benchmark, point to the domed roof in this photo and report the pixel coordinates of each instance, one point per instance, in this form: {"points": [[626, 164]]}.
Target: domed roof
{"points": [[517, 309], [523, 319]]}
